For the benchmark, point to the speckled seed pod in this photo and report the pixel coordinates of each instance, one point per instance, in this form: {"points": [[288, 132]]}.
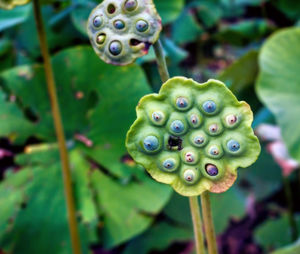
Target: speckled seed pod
{"points": [[193, 136], [123, 30], [10, 4]]}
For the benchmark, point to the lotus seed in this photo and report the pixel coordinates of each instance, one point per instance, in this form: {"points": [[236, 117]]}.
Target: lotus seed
{"points": [[231, 119], [233, 145], [211, 170], [97, 21], [119, 24], [151, 143], [194, 119], [214, 151], [199, 140], [157, 116], [209, 107], [189, 175], [169, 164], [115, 48], [130, 5], [177, 126], [181, 102], [213, 128], [101, 38], [141, 25], [189, 157]]}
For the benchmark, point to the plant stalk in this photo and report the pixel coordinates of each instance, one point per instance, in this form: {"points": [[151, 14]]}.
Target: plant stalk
{"points": [[75, 240], [161, 61], [197, 224], [194, 204], [208, 224]]}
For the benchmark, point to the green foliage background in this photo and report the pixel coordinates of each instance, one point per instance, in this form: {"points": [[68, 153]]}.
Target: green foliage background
{"points": [[120, 208]]}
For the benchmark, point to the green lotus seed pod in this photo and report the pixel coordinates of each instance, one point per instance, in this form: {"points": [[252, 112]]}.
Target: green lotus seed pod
{"points": [[193, 136], [10, 4], [132, 24]]}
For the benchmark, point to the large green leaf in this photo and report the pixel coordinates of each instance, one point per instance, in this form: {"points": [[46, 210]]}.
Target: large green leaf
{"points": [[278, 84], [274, 233], [242, 73], [128, 208], [158, 238], [43, 215]]}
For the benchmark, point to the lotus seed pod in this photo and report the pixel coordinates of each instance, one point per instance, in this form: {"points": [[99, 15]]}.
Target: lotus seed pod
{"points": [[122, 30], [10, 4], [194, 136]]}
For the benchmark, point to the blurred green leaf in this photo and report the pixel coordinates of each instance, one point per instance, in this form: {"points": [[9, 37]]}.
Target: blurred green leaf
{"points": [[264, 174], [278, 84], [128, 208], [158, 238], [232, 198], [18, 15], [244, 31], [291, 8], [290, 249], [169, 10], [274, 233], [186, 28], [242, 73], [43, 214]]}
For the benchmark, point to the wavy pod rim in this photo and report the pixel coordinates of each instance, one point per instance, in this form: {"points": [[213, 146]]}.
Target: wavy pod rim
{"points": [[116, 23], [244, 153]]}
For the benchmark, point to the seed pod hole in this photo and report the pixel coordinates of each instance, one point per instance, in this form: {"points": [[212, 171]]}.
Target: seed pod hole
{"points": [[100, 39], [115, 48], [119, 24], [177, 126], [141, 25], [111, 9], [97, 21], [174, 143], [233, 145], [209, 106], [130, 5], [211, 169]]}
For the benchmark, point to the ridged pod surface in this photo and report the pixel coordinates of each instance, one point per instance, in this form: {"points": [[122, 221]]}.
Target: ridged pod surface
{"points": [[10, 4], [122, 30], [193, 136]]}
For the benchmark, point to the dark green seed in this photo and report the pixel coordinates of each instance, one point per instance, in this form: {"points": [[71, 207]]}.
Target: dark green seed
{"points": [[119, 24], [130, 5], [115, 48], [141, 25]]}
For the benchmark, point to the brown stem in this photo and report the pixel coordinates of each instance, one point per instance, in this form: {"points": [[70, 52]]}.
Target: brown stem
{"points": [[208, 224], [59, 130]]}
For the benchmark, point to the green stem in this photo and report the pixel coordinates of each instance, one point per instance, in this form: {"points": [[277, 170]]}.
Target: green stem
{"points": [[59, 130], [208, 224], [194, 205], [197, 224], [289, 199], [161, 61]]}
